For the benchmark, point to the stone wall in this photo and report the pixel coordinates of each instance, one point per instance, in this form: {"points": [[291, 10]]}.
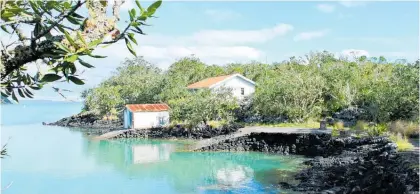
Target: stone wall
{"points": [[300, 144]]}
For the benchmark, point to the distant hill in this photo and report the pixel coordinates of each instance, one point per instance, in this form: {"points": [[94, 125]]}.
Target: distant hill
{"points": [[4, 100]]}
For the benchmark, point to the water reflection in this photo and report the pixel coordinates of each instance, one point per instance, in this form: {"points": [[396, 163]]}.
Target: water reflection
{"points": [[186, 172], [149, 153]]}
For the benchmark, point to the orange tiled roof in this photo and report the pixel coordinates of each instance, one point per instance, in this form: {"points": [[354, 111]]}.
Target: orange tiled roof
{"points": [[205, 83], [147, 107]]}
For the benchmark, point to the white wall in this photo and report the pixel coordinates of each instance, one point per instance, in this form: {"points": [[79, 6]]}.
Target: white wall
{"points": [[236, 83], [149, 119]]}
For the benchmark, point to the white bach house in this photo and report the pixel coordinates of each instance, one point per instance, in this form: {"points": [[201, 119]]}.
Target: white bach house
{"points": [[240, 85], [139, 116]]}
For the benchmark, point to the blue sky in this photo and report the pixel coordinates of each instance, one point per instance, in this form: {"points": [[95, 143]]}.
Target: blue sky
{"points": [[223, 32]]}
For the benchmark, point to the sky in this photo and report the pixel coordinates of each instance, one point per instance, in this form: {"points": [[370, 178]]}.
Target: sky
{"points": [[222, 32]]}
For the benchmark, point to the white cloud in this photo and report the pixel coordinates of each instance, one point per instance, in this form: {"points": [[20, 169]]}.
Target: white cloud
{"points": [[353, 53], [327, 8], [163, 55], [352, 3], [222, 15], [208, 54], [229, 37], [311, 35]]}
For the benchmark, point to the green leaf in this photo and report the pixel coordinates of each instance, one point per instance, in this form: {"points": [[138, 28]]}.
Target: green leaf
{"points": [[76, 80], [28, 91], [135, 24], [62, 47], [131, 36], [50, 77], [82, 26], [34, 7], [29, 78], [96, 56], [37, 29], [61, 29], [72, 68], [5, 29], [132, 14], [142, 18], [85, 64], [71, 59], [103, 3], [14, 97], [152, 8], [139, 31], [6, 15], [95, 42], [79, 35], [73, 20], [21, 93], [4, 94], [35, 87], [74, 14], [130, 48], [138, 4], [70, 39]]}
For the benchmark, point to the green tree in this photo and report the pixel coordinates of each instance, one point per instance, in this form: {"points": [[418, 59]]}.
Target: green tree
{"points": [[105, 100], [136, 81], [204, 105], [296, 92], [181, 73], [76, 37]]}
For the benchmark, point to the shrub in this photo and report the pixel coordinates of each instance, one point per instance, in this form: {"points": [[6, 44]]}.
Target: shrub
{"points": [[360, 126], [402, 142], [334, 132], [338, 126], [376, 129]]}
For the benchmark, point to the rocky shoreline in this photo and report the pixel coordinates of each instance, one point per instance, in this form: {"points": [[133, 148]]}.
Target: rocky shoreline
{"points": [[88, 120], [92, 121]]}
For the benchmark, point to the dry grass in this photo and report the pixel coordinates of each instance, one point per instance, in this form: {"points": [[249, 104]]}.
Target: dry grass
{"points": [[404, 127], [402, 142], [307, 124], [216, 124]]}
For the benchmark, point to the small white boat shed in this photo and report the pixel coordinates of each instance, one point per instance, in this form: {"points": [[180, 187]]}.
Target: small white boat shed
{"points": [[140, 116]]}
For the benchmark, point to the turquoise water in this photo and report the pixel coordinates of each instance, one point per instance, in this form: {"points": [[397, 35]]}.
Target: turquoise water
{"points": [[51, 160]]}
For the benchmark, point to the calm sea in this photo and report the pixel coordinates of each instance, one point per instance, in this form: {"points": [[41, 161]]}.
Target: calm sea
{"points": [[59, 160]]}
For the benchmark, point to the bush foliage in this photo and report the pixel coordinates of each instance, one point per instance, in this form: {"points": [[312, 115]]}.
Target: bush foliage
{"points": [[295, 90]]}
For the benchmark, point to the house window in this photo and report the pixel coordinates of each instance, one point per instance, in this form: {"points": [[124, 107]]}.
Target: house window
{"points": [[242, 91]]}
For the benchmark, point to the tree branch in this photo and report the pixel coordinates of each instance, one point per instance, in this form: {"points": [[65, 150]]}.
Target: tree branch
{"points": [[119, 36], [60, 18], [25, 54]]}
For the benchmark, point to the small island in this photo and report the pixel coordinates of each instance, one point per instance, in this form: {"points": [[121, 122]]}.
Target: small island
{"points": [[351, 149]]}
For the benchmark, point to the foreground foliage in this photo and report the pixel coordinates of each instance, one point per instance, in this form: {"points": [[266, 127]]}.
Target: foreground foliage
{"points": [[60, 36], [292, 91]]}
